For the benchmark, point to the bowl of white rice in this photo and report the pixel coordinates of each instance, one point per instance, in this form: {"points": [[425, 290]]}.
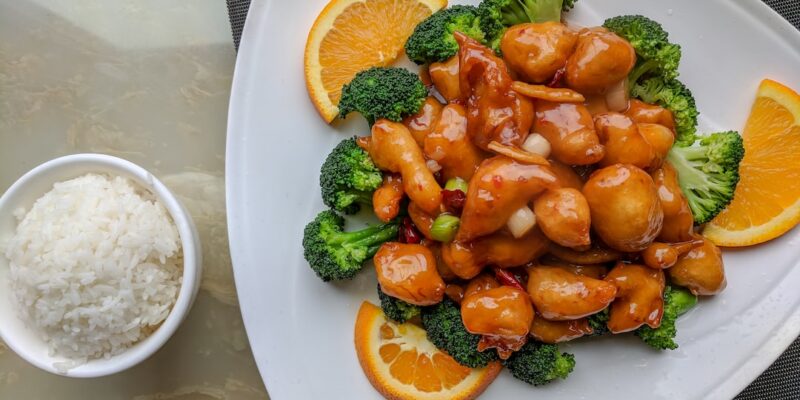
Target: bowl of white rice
{"points": [[99, 265]]}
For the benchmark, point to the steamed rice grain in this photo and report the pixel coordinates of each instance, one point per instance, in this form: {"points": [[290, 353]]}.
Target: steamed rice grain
{"points": [[95, 266]]}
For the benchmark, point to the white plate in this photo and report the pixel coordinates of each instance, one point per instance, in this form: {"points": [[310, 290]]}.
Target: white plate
{"points": [[301, 329]]}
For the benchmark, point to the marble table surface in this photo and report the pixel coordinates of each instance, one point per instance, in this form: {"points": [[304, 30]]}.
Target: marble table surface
{"points": [[146, 80]]}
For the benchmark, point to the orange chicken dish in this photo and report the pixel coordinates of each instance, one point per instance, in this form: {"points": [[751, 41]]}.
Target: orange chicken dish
{"points": [[536, 182]]}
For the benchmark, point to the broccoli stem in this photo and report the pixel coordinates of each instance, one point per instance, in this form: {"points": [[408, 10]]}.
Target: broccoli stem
{"points": [[691, 174], [362, 197], [517, 13], [639, 70], [366, 237], [550, 12]]}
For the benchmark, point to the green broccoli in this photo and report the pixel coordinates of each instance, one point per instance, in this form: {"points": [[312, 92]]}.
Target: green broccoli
{"points": [[655, 54], [708, 172], [513, 12], [433, 41], [539, 363], [446, 331], [396, 309], [598, 322], [383, 92], [676, 302], [334, 254], [674, 96], [348, 177], [497, 15]]}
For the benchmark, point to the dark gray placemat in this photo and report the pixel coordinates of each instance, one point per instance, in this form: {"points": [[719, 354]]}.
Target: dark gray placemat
{"points": [[237, 14], [781, 381]]}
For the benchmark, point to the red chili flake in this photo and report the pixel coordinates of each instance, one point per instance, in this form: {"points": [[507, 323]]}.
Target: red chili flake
{"points": [[454, 200], [497, 181], [557, 78], [408, 232], [507, 278]]}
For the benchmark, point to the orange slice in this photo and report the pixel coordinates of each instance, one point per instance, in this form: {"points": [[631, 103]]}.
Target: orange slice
{"points": [[767, 200], [402, 364], [352, 35]]}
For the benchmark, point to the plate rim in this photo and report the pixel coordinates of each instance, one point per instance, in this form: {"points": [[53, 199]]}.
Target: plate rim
{"points": [[765, 355]]}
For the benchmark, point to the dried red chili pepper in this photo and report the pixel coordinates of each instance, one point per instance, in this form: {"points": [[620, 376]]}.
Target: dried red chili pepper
{"points": [[454, 200], [507, 278], [408, 232]]}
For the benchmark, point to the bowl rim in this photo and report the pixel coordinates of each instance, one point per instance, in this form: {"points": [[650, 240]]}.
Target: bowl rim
{"points": [[191, 274]]}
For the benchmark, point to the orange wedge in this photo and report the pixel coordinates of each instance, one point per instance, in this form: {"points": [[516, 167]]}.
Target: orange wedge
{"points": [[352, 35], [402, 364], [766, 203]]}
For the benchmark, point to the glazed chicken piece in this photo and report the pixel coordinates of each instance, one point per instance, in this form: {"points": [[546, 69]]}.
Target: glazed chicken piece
{"points": [[596, 271], [625, 209], [454, 292], [678, 221], [537, 51], [643, 113], [567, 177], [563, 215], [664, 255], [553, 332], [560, 295], [503, 315], [598, 253], [639, 297], [480, 283], [701, 270], [444, 76], [444, 271], [501, 249], [449, 145], [660, 138], [623, 142], [421, 219], [495, 112], [547, 93], [601, 60], [500, 187], [392, 148], [421, 123], [408, 272], [386, 199], [570, 130]]}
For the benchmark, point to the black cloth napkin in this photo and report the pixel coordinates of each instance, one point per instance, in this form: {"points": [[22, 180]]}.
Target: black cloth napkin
{"points": [[781, 380]]}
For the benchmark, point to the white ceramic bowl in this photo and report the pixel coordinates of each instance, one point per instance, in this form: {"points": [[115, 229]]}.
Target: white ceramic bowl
{"points": [[26, 342]]}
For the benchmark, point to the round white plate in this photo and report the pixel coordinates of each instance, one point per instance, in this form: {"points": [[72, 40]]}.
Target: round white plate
{"points": [[301, 329]]}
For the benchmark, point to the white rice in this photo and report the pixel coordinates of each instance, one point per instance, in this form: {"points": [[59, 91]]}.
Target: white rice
{"points": [[95, 266]]}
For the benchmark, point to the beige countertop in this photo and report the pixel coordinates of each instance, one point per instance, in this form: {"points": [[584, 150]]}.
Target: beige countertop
{"points": [[146, 80]]}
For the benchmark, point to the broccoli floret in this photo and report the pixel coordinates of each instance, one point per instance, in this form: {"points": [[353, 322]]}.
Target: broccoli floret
{"points": [[396, 309], [538, 363], [708, 172], [653, 77], [676, 302], [513, 12], [655, 54], [433, 41], [446, 331], [334, 254], [348, 177], [599, 323], [383, 92], [674, 96], [497, 15]]}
